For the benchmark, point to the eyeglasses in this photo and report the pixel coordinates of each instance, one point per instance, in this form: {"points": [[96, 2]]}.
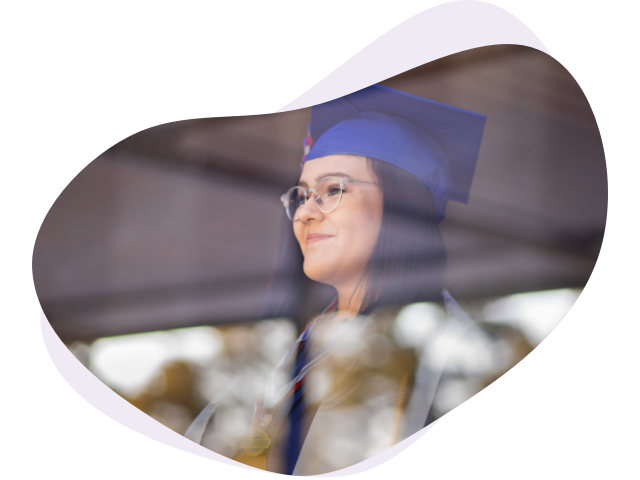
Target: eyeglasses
{"points": [[327, 193]]}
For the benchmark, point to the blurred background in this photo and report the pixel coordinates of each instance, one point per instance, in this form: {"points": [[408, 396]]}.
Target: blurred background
{"points": [[152, 265]]}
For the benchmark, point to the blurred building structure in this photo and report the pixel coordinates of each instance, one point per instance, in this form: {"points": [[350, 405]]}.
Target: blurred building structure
{"points": [[179, 225]]}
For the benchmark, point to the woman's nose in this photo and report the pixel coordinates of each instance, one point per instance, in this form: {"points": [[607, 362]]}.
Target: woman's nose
{"points": [[309, 211]]}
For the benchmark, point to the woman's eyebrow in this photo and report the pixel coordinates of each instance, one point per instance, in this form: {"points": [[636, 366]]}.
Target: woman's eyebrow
{"points": [[324, 175]]}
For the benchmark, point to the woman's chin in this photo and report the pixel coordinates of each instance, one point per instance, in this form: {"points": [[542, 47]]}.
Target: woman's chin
{"points": [[317, 273], [316, 277]]}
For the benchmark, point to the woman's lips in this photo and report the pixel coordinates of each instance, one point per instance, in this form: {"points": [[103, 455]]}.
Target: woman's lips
{"points": [[316, 237]]}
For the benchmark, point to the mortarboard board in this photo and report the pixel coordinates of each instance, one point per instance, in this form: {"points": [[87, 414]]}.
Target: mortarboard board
{"points": [[436, 142]]}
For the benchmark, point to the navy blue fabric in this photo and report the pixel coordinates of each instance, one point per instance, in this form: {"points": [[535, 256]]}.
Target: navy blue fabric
{"points": [[295, 439], [437, 143]]}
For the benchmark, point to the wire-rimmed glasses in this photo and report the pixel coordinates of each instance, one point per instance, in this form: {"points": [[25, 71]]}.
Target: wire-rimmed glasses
{"points": [[327, 194]]}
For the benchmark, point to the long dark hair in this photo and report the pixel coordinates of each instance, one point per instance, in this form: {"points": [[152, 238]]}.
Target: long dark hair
{"points": [[408, 261]]}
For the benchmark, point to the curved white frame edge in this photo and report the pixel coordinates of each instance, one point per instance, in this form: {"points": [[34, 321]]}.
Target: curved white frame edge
{"points": [[434, 33]]}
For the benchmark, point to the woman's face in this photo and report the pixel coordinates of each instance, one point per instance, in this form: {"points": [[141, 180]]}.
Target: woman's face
{"points": [[337, 245]]}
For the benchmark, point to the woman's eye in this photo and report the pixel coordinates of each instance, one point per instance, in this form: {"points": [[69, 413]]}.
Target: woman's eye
{"points": [[334, 190]]}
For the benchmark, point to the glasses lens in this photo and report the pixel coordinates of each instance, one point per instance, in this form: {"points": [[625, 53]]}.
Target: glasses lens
{"points": [[295, 198], [328, 193]]}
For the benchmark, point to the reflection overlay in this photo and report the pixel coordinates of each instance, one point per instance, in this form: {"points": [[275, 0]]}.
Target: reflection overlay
{"points": [[366, 401]]}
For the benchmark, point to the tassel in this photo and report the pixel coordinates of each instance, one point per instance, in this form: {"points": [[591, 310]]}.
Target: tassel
{"points": [[307, 143], [259, 461]]}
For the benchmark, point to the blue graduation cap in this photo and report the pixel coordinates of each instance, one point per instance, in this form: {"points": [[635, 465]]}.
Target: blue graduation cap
{"points": [[437, 143]]}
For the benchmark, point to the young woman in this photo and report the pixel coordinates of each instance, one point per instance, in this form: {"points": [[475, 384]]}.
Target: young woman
{"points": [[379, 168]]}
